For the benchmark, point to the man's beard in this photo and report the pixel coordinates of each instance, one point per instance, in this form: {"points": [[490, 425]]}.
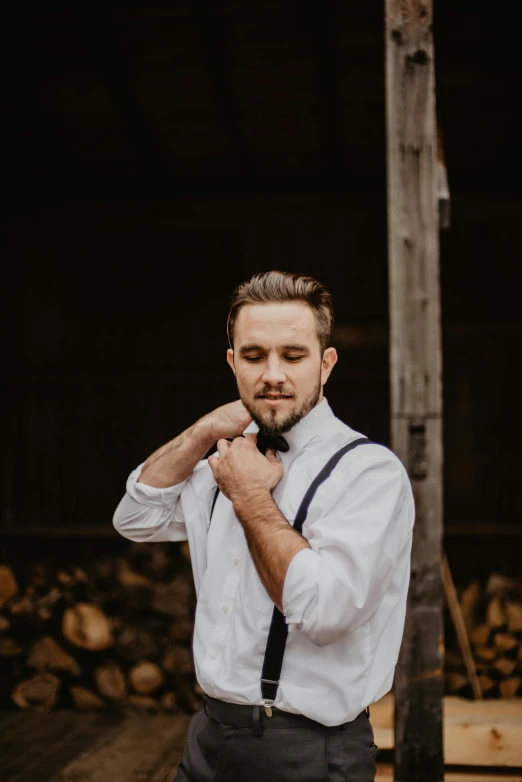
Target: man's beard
{"points": [[275, 428]]}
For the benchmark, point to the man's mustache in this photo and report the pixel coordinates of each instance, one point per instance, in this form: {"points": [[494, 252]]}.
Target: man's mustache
{"points": [[273, 392]]}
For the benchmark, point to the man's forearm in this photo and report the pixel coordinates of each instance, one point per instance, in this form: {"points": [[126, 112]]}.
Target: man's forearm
{"points": [[174, 461], [273, 543]]}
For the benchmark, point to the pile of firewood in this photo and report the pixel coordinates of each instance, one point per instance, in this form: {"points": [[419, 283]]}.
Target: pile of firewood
{"points": [[493, 618], [114, 635]]}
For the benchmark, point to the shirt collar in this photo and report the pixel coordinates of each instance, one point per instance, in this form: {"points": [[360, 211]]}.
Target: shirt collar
{"points": [[312, 425]]}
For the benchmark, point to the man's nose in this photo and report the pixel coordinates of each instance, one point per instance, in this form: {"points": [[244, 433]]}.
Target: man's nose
{"points": [[274, 373]]}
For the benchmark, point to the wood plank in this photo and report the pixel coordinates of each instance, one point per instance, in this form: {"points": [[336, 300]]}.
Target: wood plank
{"points": [[476, 733], [416, 370], [169, 764], [139, 748], [385, 774], [23, 741], [45, 759]]}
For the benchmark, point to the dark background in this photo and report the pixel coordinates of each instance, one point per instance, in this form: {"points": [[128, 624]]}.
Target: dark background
{"points": [[157, 155]]}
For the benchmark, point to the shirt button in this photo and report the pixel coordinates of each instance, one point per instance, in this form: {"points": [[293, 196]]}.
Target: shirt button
{"points": [[213, 655], [225, 609], [235, 561]]}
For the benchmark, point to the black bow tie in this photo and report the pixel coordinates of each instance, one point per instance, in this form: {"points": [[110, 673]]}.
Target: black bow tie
{"points": [[266, 441]]}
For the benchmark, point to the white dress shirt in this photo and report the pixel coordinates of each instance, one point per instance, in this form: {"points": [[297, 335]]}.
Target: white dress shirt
{"points": [[344, 599]]}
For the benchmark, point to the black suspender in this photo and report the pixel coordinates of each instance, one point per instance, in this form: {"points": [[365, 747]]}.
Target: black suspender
{"points": [[275, 647], [216, 494]]}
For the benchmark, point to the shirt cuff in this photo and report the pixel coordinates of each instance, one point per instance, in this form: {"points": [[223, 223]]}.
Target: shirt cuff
{"points": [[150, 495], [300, 581]]}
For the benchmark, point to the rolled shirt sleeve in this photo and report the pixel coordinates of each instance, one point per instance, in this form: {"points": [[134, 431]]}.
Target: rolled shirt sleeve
{"points": [[338, 584], [146, 514]]}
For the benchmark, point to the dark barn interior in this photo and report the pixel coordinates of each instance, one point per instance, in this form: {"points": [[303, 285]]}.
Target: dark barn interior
{"points": [[156, 156]]}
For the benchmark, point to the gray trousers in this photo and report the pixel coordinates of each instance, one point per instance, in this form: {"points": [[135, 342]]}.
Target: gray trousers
{"points": [[231, 743]]}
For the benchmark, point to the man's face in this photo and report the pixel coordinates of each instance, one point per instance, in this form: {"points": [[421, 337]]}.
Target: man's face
{"points": [[278, 365]]}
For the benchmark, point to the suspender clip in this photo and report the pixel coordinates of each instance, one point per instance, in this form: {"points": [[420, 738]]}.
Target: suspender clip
{"points": [[268, 708]]}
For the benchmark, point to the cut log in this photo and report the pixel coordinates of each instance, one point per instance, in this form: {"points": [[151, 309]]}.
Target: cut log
{"points": [[46, 653], [505, 666], [488, 685], [181, 629], [455, 682], [496, 613], [45, 606], [23, 606], [142, 703], [169, 701], [514, 617], [485, 654], [509, 687], [178, 659], [10, 648], [129, 578], [500, 586], [37, 694], [505, 642], [5, 624], [134, 643], [469, 602], [153, 560], [480, 635], [73, 577], [146, 677], [110, 681], [173, 598], [86, 700], [88, 627], [8, 585]]}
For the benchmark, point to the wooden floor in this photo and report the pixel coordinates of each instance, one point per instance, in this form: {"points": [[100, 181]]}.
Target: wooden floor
{"points": [[68, 746], [73, 747]]}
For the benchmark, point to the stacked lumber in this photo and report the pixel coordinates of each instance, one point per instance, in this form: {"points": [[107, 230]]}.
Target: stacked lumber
{"points": [[492, 615], [115, 635]]}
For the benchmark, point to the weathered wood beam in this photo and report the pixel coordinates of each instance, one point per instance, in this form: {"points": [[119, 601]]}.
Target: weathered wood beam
{"points": [[416, 365]]}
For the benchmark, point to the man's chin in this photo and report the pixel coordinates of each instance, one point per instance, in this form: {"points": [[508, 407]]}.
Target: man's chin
{"points": [[275, 421]]}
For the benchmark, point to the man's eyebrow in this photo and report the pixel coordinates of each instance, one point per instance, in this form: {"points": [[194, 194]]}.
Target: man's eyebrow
{"points": [[302, 348], [252, 347]]}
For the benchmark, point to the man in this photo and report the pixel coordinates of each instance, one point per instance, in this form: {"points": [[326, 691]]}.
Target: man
{"points": [[297, 631]]}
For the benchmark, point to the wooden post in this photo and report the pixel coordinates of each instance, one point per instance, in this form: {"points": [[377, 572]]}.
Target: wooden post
{"points": [[416, 385]]}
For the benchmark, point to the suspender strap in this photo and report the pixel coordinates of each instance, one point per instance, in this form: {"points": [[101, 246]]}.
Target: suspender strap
{"points": [[216, 494], [275, 647]]}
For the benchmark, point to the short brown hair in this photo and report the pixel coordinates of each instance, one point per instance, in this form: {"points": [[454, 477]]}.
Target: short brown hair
{"points": [[276, 286]]}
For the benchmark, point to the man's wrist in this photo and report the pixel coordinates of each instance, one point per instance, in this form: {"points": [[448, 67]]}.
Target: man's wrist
{"points": [[205, 432], [249, 496]]}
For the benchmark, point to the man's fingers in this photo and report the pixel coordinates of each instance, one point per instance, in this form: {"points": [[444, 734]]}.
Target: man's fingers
{"points": [[271, 456], [222, 446], [252, 437], [213, 463]]}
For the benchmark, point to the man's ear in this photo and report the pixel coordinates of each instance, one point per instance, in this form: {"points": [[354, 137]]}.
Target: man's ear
{"points": [[230, 360], [328, 363]]}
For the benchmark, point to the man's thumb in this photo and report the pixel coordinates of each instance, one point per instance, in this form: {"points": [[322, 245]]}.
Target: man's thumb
{"points": [[271, 456]]}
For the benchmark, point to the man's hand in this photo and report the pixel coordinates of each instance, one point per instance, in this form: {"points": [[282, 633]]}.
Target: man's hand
{"points": [[241, 469], [227, 421]]}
